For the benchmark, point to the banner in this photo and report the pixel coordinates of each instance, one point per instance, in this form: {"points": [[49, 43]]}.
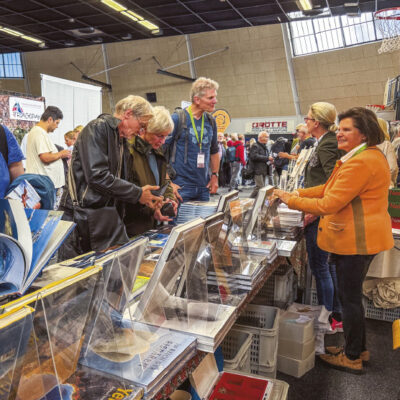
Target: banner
{"points": [[25, 109]]}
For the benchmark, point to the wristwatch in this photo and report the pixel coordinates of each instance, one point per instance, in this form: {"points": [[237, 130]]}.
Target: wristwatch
{"points": [[215, 173]]}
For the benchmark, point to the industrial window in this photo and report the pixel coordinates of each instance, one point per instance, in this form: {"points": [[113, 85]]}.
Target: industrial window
{"points": [[11, 66], [329, 33]]}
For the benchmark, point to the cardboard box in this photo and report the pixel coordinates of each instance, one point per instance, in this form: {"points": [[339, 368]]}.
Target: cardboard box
{"points": [[292, 328], [294, 367], [298, 350]]}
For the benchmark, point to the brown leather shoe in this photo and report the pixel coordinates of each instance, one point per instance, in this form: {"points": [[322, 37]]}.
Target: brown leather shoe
{"points": [[340, 361], [334, 350]]}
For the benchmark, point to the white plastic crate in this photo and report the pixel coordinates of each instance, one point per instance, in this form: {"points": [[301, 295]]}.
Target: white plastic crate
{"points": [[279, 289], [263, 323], [314, 297], [382, 314], [268, 372], [236, 350]]}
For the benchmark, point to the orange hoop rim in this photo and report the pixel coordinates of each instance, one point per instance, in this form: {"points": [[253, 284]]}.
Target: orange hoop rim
{"points": [[377, 14]]}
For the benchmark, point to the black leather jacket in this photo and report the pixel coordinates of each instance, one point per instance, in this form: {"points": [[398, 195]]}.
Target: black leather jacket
{"points": [[259, 157], [94, 164]]}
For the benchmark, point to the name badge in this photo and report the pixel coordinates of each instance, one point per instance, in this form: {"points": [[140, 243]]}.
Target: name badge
{"points": [[200, 160]]}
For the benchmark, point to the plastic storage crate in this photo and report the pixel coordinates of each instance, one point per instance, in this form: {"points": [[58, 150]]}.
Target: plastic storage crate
{"points": [[236, 350], [280, 288], [382, 314], [268, 372], [263, 323]]}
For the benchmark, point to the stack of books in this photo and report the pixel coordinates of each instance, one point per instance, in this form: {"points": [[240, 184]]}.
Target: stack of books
{"points": [[287, 224], [194, 209], [243, 280]]}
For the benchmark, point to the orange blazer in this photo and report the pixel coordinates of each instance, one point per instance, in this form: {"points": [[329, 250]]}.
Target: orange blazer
{"points": [[353, 206]]}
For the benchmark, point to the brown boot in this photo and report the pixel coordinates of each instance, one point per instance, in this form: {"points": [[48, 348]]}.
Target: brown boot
{"points": [[340, 361], [334, 350]]}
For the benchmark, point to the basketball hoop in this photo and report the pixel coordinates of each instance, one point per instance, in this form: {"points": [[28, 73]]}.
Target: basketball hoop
{"points": [[375, 107], [388, 23]]}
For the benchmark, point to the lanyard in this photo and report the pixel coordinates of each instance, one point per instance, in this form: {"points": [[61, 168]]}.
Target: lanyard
{"points": [[194, 127]]}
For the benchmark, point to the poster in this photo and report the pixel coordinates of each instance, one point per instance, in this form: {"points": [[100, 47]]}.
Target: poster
{"points": [[25, 109]]}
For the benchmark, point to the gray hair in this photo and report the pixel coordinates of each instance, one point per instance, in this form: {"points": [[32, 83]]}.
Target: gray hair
{"points": [[140, 107], [161, 121], [200, 85], [263, 133]]}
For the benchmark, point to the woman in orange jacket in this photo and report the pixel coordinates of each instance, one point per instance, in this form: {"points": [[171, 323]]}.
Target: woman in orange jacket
{"points": [[354, 224]]}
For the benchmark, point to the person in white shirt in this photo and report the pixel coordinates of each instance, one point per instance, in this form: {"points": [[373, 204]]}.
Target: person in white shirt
{"points": [[42, 156]]}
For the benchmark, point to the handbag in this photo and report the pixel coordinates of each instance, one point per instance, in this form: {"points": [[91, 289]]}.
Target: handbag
{"points": [[248, 171], [98, 228]]}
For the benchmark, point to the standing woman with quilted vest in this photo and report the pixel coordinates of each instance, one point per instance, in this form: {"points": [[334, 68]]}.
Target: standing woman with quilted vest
{"points": [[354, 224]]}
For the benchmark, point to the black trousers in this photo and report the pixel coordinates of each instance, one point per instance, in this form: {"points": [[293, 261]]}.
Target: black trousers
{"points": [[351, 271]]}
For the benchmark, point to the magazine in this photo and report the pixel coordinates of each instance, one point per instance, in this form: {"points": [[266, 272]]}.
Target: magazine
{"points": [[28, 239], [26, 194]]}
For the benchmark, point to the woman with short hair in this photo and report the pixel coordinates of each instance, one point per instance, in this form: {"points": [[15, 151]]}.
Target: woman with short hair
{"points": [[149, 168]]}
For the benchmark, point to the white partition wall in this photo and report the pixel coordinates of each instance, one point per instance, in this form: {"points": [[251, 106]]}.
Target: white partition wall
{"points": [[79, 102]]}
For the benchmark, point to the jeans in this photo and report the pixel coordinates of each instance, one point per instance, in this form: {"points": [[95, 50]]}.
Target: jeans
{"points": [[323, 271], [192, 193], [351, 272], [235, 174]]}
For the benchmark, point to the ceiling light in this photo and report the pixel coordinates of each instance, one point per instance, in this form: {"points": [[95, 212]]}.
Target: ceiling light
{"points": [[306, 5], [137, 16], [114, 5], [11, 31], [149, 25], [127, 14], [20, 35], [31, 39]]}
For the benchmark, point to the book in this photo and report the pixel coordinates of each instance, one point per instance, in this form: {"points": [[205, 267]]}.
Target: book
{"points": [[26, 194], [15, 330], [139, 353], [60, 319], [176, 296], [90, 384], [28, 239]]}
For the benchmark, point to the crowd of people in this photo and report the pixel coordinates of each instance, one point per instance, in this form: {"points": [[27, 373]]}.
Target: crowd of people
{"points": [[122, 174]]}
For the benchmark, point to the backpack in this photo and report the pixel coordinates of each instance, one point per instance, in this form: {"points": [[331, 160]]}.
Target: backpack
{"points": [[3, 144], [277, 147], [170, 149], [231, 153]]}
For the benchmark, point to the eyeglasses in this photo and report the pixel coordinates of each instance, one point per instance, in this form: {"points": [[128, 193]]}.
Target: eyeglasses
{"points": [[308, 119]]}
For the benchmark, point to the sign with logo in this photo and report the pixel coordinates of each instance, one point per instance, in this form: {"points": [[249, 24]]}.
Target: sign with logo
{"points": [[222, 119], [273, 126], [25, 109]]}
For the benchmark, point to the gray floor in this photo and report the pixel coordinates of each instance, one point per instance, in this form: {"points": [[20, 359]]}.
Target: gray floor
{"points": [[381, 380]]}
